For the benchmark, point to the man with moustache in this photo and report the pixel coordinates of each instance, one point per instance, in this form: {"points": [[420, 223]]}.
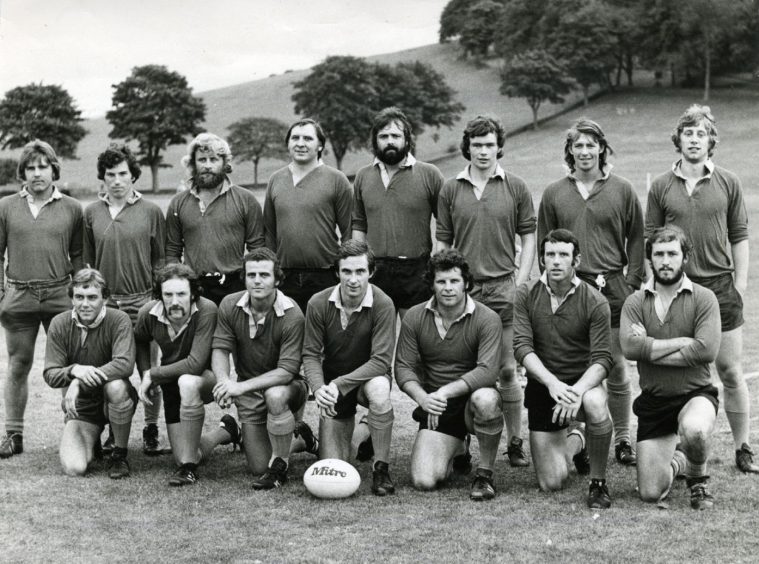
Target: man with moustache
{"points": [[480, 212], [347, 354], [90, 356], [263, 330], [394, 201], [671, 328], [562, 338], [603, 212], [306, 202], [40, 247], [182, 324], [215, 222], [706, 202], [123, 239]]}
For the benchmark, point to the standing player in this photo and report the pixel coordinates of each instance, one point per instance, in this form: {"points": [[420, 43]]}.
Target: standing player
{"points": [[394, 200], [182, 323], [603, 212], [214, 222], [263, 329], [562, 337], [481, 212], [347, 353], [447, 362], [671, 328], [706, 202], [305, 202], [41, 231], [123, 239], [90, 354]]}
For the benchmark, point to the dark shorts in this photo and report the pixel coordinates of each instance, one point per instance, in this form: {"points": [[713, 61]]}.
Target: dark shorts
{"points": [[540, 404], [346, 404], [615, 291], [130, 304], [452, 422], [217, 287], [498, 294], [657, 416], [26, 305], [302, 283], [171, 402], [403, 280], [92, 407], [251, 407], [730, 301]]}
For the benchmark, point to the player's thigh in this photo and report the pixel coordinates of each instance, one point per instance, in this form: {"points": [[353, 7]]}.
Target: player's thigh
{"points": [[20, 343], [548, 451], [431, 456], [255, 439], [653, 467], [77, 445]]}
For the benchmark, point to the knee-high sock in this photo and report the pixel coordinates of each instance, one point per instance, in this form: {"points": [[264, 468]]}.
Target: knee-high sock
{"points": [[152, 411], [488, 433], [737, 412], [120, 416], [280, 428], [381, 431], [620, 407], [190, 430], [598, 436], [512, 397]]}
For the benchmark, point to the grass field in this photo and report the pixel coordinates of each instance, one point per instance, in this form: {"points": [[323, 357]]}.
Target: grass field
{"points": [[47, 517]]}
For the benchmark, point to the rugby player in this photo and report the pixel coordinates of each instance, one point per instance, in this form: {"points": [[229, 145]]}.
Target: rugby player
{"points": [[41, 232], [214, 222], [562, 337], [480, 212], [305, 202], [447, 362], [671, 328], [263, 329], [90, 355], [123, 239], [182, 323], [603, 212], [706, 202], [347, 353]]}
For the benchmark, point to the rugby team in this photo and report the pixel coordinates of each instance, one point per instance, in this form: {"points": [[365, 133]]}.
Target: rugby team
{"points": [[259, 308]]}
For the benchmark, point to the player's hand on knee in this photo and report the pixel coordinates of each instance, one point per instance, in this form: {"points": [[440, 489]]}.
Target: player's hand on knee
{"points": [[326, 398], [432, 421], [69, 400], [434, 403], [89, 375], [225, 391], [561, 393]]}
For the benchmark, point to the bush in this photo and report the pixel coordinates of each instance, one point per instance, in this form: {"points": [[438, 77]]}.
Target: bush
{"points": [[8, 171]]}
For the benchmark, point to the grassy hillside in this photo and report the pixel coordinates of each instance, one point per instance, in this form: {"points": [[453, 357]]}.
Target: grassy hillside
{"points": [[270, 97]]}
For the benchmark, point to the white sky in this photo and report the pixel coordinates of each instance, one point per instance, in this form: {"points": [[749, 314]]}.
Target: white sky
{"points": [[88, 45]]}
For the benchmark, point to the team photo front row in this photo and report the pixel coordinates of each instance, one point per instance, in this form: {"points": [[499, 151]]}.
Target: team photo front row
{"points": [[447, 361]]}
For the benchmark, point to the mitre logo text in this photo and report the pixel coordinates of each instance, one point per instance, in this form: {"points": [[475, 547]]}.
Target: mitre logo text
{"points": [[327, 471]]}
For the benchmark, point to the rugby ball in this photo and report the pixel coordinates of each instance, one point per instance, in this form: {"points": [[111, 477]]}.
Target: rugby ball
{"points": [[331, 478]]}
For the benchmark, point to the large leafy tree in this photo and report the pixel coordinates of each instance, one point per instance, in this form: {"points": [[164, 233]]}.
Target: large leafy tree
{"points": [[452, 19], [40, 111], [155, 107], [537, 77], [343, 94], [481, 27], [256, 138]]}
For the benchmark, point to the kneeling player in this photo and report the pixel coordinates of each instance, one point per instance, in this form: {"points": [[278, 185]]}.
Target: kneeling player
{"points": [[672, 329], [347, 352], [263, 329], [562, 337], [447, 361], [90, 354], [182, 323]]}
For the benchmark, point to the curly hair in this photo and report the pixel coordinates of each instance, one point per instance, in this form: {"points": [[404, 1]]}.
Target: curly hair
{"points": [[207, 142], [34, 150], [585, 126], [385, 117], [694, 116], [114, 155], [181, 272], [479, 127], [448, 260]]}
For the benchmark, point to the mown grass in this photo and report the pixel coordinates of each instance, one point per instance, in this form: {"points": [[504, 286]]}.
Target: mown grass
{"points": [[45, 516]]}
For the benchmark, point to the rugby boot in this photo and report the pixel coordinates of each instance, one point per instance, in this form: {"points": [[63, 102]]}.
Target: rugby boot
{"points": [[381, 482], [274, 477], [462, 463], [515, 452], [118, 466], [109, 442], [150, 440], [624, 453], [303, 430], [744, 460], [482, 486], [12, 443], [700, 498], [185, 475], [230, 425], [598, 494]]}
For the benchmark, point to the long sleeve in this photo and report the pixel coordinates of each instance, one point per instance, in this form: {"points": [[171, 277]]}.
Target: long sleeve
{"points": [[76, 245], [254, 226], [57, 371], [174, 240], [270, 219], [200, 354], [343, 207], [313, 346], [636, 269], [123, 350], [407, 357]]}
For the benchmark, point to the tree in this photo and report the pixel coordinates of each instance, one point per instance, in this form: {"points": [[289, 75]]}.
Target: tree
{"points": [[155, 107], [38, 111], [343, 94], [255, 138], [536, 76], [8, 169], [452, 19], [480, 27]]}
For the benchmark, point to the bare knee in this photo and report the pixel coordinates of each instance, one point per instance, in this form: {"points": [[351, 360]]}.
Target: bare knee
{"points": [[595, 405], [486, 404], [117, 391], [424, 483], [730, 373], [694, 435], [551, 482], [649, 494], [377, 392], [277, 398], [189, 388], [73, 467]]}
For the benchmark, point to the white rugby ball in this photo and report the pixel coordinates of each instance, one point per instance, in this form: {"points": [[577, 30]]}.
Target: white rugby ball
{"points": [[331, 478]]}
